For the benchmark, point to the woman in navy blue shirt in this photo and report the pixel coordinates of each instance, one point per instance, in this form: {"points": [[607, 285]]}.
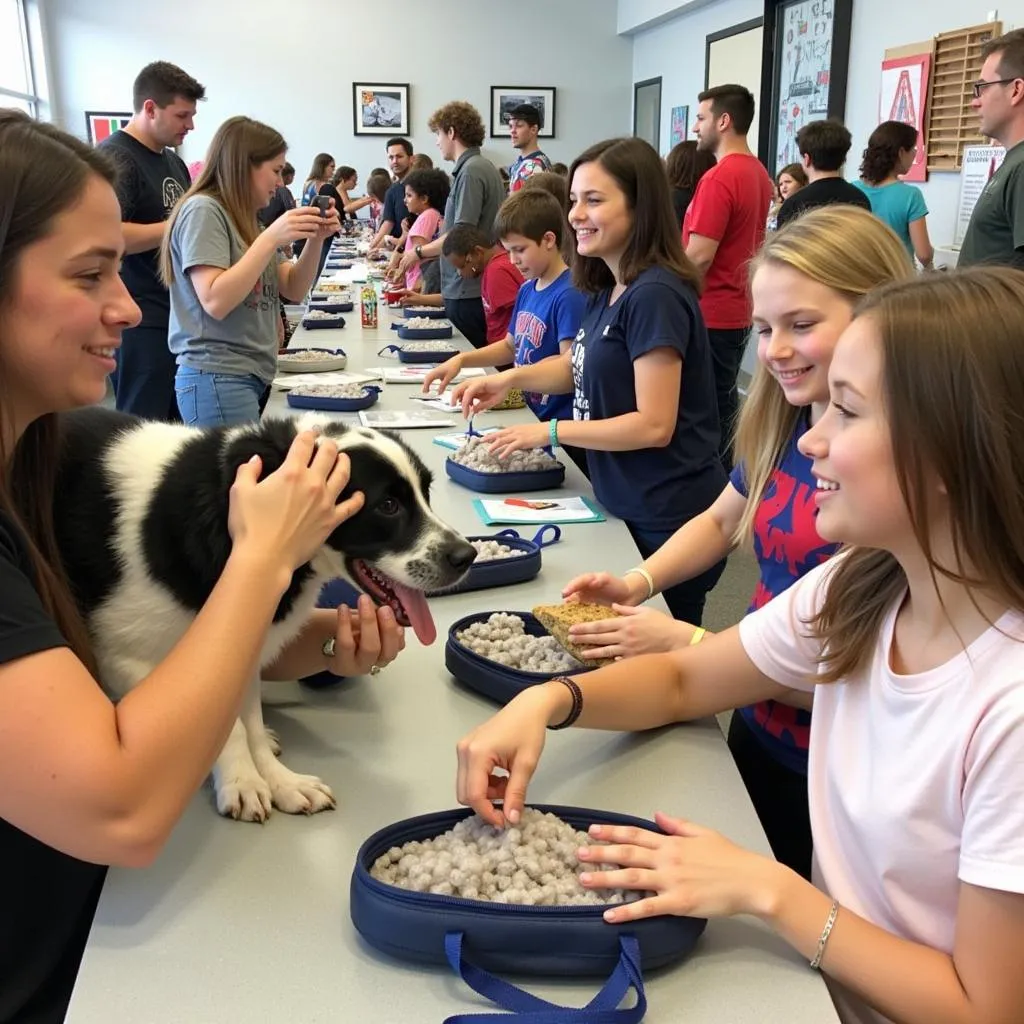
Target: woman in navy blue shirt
{"points": [[640, 368]]}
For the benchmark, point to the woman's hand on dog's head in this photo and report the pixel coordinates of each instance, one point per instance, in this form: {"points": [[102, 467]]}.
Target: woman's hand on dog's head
{"points": [[286, 517]]}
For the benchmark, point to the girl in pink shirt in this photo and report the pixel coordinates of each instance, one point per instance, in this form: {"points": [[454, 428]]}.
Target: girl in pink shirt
{"points": [[912, 644], [426, 193]]}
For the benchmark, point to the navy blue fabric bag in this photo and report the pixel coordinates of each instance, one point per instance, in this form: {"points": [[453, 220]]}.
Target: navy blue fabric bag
{"points": [[476, 937]]}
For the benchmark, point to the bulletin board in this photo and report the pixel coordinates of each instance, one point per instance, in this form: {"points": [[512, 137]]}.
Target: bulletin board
{"points": [[952, 123], [806, 76]]}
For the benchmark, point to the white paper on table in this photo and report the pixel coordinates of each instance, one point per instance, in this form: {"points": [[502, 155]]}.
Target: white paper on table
{"points": [[564, 510], [414, 373], [402, 420], [441, 403], [287, 381]]}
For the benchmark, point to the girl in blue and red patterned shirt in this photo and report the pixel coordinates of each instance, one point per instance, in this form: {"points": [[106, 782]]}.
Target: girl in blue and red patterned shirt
{"points": [[804, 288]]}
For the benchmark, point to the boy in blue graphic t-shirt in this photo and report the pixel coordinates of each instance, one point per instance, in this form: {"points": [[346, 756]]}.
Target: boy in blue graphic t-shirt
{"points": [[548, 309]]}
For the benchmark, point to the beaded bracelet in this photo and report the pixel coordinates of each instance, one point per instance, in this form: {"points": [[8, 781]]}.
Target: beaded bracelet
{"points": [[553, 433], [577, 702]]}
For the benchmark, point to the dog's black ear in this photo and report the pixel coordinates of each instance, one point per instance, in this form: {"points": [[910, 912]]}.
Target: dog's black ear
{"points": [[270, 441]]}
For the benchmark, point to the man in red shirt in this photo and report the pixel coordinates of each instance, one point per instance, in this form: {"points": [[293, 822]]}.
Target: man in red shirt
{"points": [[724, 226]]}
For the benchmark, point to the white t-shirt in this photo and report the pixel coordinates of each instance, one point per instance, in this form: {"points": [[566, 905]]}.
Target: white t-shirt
{"points": [[915, 782]]}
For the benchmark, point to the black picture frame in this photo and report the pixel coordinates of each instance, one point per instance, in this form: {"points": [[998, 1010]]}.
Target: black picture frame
{"points": [[648, 83], [393, 92], [725, 33], [782, 30], [503, 97]]}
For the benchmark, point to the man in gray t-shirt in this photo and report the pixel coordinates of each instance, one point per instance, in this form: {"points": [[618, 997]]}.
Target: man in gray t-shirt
{"points": [[477, 192], [995, 234]]}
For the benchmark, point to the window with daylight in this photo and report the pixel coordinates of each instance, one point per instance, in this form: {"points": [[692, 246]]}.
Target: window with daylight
{"points": [[21, 77]]}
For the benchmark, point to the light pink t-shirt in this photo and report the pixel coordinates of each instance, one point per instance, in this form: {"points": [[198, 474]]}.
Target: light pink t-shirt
{"points": [[425, 226], [915, 781]]}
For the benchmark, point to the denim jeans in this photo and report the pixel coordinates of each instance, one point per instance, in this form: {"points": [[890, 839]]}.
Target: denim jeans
{"points": [[218, 399]]}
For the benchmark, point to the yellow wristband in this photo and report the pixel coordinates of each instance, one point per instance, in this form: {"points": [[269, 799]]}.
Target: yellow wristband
{"points": [[698, 635]]}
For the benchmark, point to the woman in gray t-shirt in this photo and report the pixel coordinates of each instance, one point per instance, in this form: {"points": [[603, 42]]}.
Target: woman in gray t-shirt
{"points": [[225, 275]]}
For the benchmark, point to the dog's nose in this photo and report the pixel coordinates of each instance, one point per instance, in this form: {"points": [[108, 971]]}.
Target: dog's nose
{"points": [[460, 555]]}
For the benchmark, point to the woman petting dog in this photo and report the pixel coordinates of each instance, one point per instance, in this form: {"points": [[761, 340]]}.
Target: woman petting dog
{"points": [[84, 782]]}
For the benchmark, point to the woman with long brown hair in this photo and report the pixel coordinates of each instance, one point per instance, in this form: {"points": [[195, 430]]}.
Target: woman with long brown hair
{"points": [[225, 276], [85, 782], [650, 427], [911, 642]]}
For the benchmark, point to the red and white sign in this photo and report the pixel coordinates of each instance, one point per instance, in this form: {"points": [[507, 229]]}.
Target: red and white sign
{"points": [[903, 97]]}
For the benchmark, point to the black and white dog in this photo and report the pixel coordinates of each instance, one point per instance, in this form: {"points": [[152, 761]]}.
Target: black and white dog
{"points": [[141, 516]]}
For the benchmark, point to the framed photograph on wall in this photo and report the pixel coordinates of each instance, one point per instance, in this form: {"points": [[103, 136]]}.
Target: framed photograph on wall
{"points": [[505, 97], [680, 126], [805, 77], [380, 109], [101, 124]]}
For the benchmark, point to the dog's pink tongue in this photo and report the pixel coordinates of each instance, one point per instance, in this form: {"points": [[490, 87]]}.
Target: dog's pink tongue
{"points": [[415, 604]]}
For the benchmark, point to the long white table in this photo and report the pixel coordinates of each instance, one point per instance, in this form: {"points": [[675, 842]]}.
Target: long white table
{"points": [[239, 924]]}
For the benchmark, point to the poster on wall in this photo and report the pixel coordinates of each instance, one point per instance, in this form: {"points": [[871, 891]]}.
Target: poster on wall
{"points": [[903, 97], [100, 125], [812, 46], [979, 166], [680, 122]]}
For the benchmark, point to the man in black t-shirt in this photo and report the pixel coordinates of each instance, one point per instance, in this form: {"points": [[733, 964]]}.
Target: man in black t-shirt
{"points": [[151, 179], [823, 147]]}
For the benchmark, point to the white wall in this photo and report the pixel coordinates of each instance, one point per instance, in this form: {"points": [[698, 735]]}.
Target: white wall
{"points": [[291, 64], [675, 50], [635, 15]]}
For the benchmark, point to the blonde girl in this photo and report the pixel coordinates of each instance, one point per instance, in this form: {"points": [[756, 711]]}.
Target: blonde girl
{"points": [[804, 289], [225, 275], [912, 644]]}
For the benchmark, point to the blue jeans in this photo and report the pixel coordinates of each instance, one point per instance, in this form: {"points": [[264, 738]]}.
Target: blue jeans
{"points": [[219, 399]]}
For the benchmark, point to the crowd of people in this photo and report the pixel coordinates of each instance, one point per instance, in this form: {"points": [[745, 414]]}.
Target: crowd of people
{"points": [[876, 467]]}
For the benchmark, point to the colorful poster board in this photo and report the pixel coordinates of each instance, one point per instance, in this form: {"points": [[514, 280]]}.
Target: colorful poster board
{"points": [[680, 122]]}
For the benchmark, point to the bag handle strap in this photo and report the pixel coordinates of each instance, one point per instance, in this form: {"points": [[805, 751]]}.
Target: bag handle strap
{"points": [[527, 1009]]}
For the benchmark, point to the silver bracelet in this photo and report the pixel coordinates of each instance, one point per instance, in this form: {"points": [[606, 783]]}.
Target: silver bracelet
{"points": [[825, 933], [640, 570]]}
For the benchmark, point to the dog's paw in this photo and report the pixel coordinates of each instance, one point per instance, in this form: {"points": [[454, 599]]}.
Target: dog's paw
{"points": [[273, 741], [300, 794], [245, 799]]}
